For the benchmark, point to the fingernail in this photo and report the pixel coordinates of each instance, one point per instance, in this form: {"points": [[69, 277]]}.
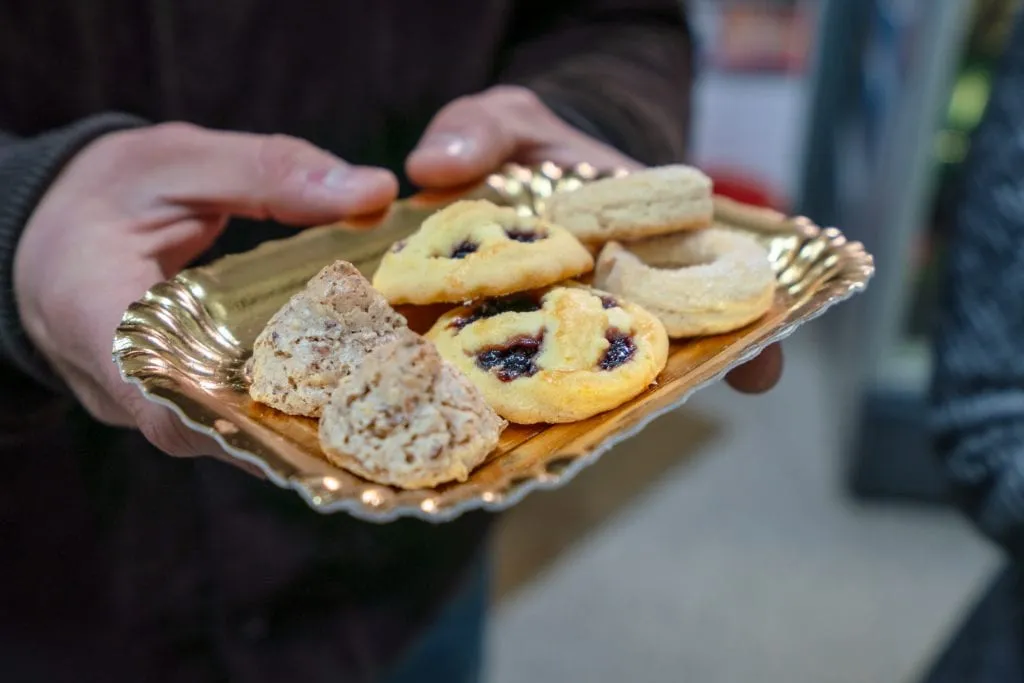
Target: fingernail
{"points": [[343, 180], [338, 179], [354, 188], [449, 144]]}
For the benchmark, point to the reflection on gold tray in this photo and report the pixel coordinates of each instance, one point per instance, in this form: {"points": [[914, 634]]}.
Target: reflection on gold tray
{"points": [[186, 341]]}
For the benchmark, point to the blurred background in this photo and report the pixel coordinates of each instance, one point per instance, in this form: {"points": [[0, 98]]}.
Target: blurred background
{"points": [[803, 536]]}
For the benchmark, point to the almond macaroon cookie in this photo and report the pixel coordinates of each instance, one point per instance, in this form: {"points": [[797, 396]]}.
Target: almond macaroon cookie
{"points": [[318, 338], [408, 418]]}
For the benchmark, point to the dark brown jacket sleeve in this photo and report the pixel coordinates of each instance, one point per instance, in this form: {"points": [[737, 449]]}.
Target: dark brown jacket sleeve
{"points": [[622, 67]]}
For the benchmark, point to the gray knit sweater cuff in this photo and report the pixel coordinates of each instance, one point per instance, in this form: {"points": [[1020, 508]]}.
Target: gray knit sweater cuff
{"points": [[27, 168]]}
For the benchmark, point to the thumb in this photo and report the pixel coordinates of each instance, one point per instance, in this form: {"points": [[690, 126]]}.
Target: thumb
{"points": [[258, 176], [464, 142]]}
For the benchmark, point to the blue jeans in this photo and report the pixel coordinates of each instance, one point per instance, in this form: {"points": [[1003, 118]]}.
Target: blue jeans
{"points": [[452, 650]]}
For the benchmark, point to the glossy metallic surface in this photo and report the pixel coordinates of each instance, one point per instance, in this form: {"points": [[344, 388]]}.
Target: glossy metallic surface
{"points": [[186, 341]]}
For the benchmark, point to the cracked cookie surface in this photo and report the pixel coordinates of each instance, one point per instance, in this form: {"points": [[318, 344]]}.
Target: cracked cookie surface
{"points": [[653, 201], [318, 338], [474, 249], [554, 355], [408, 418]]}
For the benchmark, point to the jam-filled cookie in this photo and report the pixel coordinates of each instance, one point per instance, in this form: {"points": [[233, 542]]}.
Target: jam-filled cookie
{"points": [[555, 355], [653, 201], [408, 418], [318, 338], [474, 249]]}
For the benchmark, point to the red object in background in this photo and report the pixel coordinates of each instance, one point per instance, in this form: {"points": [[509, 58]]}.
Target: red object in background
{"points": [[745, 189]]}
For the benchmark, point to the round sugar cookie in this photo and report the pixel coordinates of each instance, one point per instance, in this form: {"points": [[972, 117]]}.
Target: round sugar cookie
{"points": [[707, 282]]}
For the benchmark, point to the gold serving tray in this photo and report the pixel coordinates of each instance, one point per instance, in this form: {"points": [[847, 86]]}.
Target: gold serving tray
{"points": [[186, 341]]}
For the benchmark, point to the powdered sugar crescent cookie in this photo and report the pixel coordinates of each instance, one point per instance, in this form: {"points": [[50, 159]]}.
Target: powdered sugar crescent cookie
{"points": [[707, 282], [318, 338], [407, 418], [653, 201], [476, 249], [556, 355]]}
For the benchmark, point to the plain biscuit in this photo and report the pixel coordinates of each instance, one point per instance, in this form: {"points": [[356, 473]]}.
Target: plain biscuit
{"points": [[644, 203]]}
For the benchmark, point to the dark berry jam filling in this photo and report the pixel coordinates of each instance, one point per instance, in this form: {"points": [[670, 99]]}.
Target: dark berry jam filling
{"points": [[515, 303], [608, 302], [512, 360], [524, 234], [620, 350], [464, 249]]}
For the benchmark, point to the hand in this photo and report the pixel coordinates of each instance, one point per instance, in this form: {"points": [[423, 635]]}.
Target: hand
{"points": [[476, 135], [132, 209]]}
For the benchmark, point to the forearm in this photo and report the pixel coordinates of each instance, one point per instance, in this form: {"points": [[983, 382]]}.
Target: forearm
{"points": [[623, 68], [27, 168], [979, 375]]}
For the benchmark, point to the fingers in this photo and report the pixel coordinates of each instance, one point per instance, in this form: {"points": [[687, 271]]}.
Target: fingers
{"points": [[476, 135], [123, 405], [465, 142], [760, 374], [164, 430], [128, 408], [85, 327], [96, 400], [144, 202], [255, 176], [159, 425]]}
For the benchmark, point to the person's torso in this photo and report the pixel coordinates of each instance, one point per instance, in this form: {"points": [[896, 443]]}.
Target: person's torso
{"points": [[360, 78], [103, 536], [340, 72]]}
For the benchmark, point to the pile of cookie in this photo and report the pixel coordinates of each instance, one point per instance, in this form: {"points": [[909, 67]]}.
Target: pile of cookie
{"points": [[525, 340]]}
